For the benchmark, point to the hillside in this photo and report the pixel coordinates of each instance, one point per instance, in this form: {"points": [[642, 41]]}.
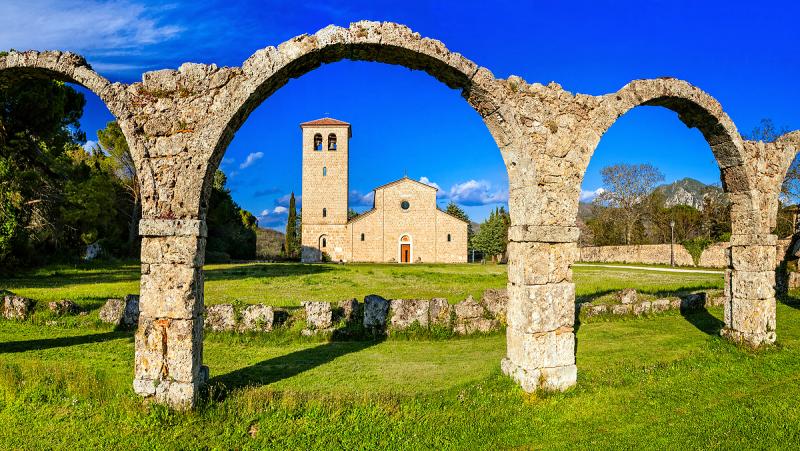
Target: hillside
{"points": [[269, 243]]}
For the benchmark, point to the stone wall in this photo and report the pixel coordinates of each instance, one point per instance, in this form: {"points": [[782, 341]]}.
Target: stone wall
{"points": [[714, 256], [653, 254]]}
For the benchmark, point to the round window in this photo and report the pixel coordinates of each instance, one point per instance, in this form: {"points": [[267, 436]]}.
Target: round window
{"points": [[404, 205]]}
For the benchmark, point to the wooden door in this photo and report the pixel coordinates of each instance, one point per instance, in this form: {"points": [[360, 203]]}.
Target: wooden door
{"points": [[405, 253]]}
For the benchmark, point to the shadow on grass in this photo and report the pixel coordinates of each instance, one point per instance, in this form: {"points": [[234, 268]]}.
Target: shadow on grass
{"points": [[61, 342], [282, 367], [703, 320], [790, 300], [265, 270]]}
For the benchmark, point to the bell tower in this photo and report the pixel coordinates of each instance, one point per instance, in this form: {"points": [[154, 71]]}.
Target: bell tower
{"points": [[326, 185]]}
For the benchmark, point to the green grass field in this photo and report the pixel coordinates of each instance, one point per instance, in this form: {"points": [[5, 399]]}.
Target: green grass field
{"points": [[665, 381], [287, 284]]}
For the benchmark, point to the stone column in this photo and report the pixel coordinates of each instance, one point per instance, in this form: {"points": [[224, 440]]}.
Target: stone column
{"points": [[169, 339], [541, 307], [750, 294]]}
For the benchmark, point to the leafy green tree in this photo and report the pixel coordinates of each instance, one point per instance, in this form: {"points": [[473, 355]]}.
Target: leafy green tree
{"points": [[492, 237], [231, 230], [113, 143]]}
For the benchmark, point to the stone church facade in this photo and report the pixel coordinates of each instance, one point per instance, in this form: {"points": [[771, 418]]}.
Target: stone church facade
{"points": [[404, 225]]}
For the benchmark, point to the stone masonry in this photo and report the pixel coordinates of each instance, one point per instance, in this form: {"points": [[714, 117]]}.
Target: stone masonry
{"points": [[178, 124]]}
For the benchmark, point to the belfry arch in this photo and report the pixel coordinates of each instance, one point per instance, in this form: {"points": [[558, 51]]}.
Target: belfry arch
{"points": [[179, 122]]}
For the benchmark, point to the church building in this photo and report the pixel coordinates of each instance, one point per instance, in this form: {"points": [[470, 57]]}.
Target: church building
{"points": [[404, 225]]}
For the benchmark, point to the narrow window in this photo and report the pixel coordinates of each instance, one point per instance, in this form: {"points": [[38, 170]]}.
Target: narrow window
{"points": [[332, 142], [448, 237], [324, 171], [317, 142], [362, 237], [324, 242], [324, 212]]}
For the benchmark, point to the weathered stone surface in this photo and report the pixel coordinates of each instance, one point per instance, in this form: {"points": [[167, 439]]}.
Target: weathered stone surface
{"points": [[440, 312], [351, 311], [220, 317], [17, 307], [550, 379], [376, 309], [472, 317], [627, 296], [496, 302], [646, 253], [540, 308], [405, 312], [319, 315], [541, 350], [641, 308], [660, 305], [257, 317], [622, 309], [63, 307], [121, 312], [540, 263]]}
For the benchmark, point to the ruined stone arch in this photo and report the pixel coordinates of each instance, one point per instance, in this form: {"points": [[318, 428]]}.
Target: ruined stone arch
{"points": [[72, 68], [269, 69], [695, 108]]}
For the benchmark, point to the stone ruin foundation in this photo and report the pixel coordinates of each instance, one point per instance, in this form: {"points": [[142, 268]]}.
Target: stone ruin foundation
{"points": [[178, 124]]}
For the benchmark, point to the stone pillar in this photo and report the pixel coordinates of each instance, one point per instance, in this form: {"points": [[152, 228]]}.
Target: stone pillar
{"points": [[750, 290], [169, 340], [541, 307]]}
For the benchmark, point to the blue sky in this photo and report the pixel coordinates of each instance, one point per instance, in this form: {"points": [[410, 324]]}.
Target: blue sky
{"points": [[743, 53]]}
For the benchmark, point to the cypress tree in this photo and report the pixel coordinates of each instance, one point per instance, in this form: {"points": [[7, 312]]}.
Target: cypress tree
{"points": [[291, 229]]}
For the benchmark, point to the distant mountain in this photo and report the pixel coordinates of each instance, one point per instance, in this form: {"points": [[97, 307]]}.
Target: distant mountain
{"points": [[687, 191]]}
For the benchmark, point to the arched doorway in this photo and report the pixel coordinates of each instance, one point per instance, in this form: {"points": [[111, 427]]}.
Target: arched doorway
{"points": [[405, 249]]}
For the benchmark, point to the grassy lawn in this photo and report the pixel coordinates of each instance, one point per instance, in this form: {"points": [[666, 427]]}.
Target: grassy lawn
{"points": [[665, 381], [287, 284]]}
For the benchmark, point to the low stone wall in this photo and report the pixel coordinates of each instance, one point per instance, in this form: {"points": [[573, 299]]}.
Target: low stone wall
{"points": [[654, 254], [714, 256]]}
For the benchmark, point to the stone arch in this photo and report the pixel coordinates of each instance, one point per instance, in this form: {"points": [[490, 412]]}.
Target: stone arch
{"points": [[695, 108], [72, 68], [270, 68]]}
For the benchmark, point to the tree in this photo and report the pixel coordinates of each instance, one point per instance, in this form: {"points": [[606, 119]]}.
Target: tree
{"points": [[626, 188], [454, 210], [113, 143], [492, 237], [290, 247], [231, 230]]}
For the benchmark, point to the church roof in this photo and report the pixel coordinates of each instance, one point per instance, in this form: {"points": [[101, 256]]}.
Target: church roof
{"points": [[325, 121], [405, 178]]}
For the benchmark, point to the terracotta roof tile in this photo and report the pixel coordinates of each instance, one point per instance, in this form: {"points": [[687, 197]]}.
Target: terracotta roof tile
{"points": [[325, 121]]}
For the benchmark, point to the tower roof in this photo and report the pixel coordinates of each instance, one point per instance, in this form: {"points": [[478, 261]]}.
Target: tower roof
{"points": [[325, 121]]}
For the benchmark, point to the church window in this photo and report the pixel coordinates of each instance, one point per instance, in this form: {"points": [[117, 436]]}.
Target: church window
{"points": [[324, 242], [362, 237], [324, 212], [332, 142], [324, 171], [404, 205], [448, 237], [317, 142]]}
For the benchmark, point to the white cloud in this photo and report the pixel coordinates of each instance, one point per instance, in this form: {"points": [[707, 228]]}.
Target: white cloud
{"points": [[279, 210], [358, 199], [90, 145], [428, 182], [251, 158], [227, 161], [476, 192], [587, 196], [283, 201], [264, 213], [100, 27]]}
